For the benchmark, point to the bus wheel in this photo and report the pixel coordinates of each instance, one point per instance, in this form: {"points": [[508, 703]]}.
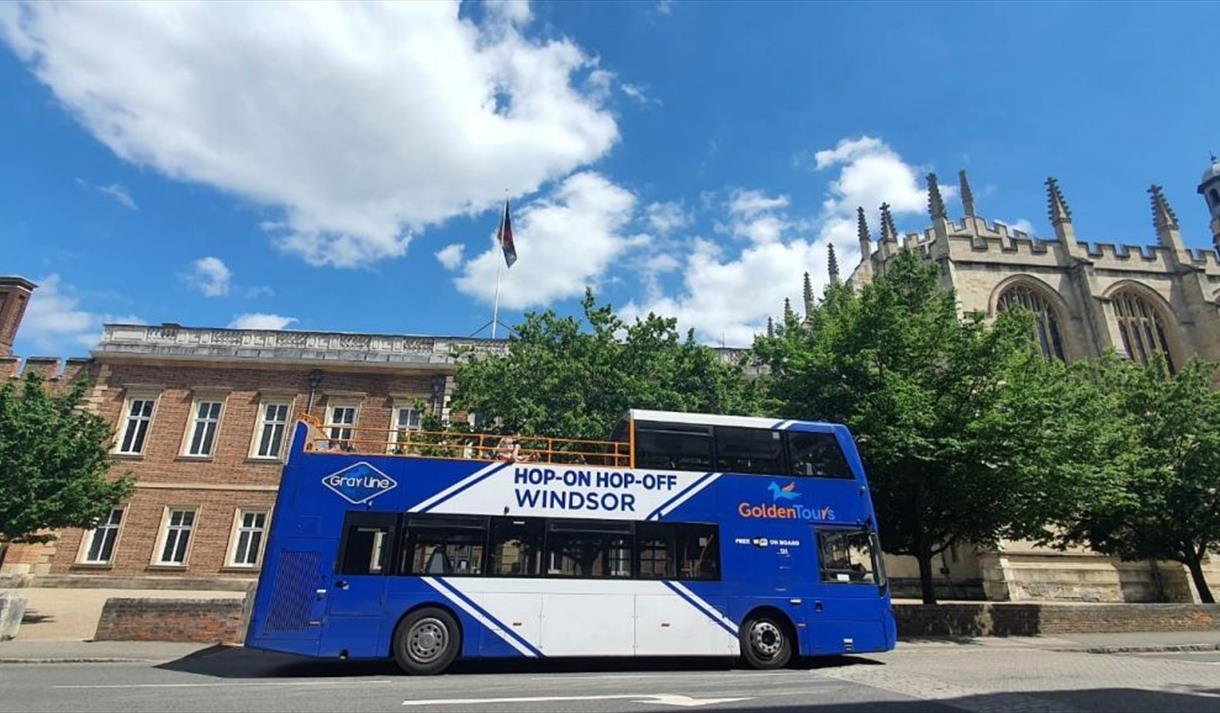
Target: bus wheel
{"points": [[427, 641], [765, 642]]}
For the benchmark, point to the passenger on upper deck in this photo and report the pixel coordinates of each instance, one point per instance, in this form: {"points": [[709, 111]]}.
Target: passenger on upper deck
{"points": [[508, 449]]}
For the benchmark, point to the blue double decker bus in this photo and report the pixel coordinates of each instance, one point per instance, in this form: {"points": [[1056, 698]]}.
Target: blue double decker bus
{"points": [[683, 535]]}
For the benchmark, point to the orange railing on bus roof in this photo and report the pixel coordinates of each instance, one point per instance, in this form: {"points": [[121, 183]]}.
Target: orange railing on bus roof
{"points": [[457, 445]]}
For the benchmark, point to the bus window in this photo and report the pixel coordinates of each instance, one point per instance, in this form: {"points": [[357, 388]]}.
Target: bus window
{"points": [[446, 545], [365, 546], [698, 552], [749, 450], [673, 446], [849, 557], [588, 548], [817, 455], [654, 550], [515, 548]]}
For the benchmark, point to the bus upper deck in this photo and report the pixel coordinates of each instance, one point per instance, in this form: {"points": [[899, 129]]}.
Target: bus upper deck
{"points": [[643, 439]]}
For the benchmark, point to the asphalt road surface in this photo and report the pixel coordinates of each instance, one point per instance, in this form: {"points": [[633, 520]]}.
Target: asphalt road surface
{"points": [[933, 677]]}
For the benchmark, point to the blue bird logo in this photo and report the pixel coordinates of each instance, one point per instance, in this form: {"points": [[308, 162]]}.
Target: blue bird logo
{"points": [[788, 492]]}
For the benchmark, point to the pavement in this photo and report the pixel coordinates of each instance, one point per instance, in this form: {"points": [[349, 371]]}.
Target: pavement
{"points": [[62, 614], [1055, 675]]}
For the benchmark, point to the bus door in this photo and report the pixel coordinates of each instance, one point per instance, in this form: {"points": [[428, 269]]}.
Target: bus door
{"points": [[355, 598], [851, 605]]}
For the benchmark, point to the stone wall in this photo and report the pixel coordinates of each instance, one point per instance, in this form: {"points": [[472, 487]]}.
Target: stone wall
{"points": [[195, 620], [916, 620]]}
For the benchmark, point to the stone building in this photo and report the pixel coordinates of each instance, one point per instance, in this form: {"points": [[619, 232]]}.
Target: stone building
{"points": [[202, 421], [1087, 298]]}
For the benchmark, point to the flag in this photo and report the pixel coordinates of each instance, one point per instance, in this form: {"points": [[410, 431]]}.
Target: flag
{"points": [[505, 237]]}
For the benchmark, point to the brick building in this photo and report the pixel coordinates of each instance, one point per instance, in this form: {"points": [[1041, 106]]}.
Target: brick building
{"points": [[203, 418]]}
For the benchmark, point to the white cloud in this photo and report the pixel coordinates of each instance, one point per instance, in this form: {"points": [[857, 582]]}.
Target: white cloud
{"points": [[260, 320], [115, 190], [665, 7], [565, 241], [210, 276], [728, 297], [665, 218], [451, 255], [363, 123], [120, 194], [55, 322], [638, 93], [747, 203]]}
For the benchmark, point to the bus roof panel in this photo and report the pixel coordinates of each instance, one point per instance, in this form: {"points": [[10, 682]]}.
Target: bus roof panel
{"points": [[706, 419]]}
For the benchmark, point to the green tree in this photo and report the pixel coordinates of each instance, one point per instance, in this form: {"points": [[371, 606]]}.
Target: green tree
{"points": [[53, 457], [959, 423], [568, 377], [1162, 500]]}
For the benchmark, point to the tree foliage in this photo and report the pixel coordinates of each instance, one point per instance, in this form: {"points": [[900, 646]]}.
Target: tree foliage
{"points": [[960, 424], [53, 462], [1160, 497], [575, 378]]}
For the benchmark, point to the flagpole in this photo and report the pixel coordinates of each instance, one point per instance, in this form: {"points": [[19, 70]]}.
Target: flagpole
{"points": [[495, 310], [495, 307]]}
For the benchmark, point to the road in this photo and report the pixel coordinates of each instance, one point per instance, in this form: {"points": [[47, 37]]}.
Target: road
{"points": [[1004, 676]]}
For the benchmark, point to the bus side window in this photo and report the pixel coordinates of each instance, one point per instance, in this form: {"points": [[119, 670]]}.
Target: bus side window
{"points": [[817, 455], [444, 545], [673, 446], [588, 548], [366, 543], [655, 549], [749, 450], [515, 547], [698, 551]]}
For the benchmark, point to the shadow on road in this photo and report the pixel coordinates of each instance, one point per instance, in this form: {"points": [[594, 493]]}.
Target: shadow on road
{"points": [[239, 662], [1188, 700]]}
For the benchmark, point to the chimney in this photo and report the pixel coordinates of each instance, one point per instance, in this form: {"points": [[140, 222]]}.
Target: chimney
{"points": [[14, 296]]}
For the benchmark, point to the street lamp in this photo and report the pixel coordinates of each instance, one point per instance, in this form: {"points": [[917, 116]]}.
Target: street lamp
{"points": [[315, 381]]}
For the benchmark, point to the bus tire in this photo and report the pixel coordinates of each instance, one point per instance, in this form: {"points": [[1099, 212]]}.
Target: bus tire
{"points": [[426, 641], [766, 642]]}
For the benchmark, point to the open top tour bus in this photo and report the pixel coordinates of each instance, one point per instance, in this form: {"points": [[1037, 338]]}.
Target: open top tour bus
{"points": [[684, 535]]}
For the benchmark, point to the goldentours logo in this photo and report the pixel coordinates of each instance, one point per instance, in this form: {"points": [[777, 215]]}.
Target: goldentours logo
{"points": [[782, 506], [359, 483]]}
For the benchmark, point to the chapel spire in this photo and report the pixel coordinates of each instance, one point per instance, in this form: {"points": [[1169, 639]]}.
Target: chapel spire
{"points": [[967, 196], [936, 204], [832, 264]]}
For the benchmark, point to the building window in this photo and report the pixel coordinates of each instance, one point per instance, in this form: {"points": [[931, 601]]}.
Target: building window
{"points": [[202, 431], [1141, 329], [249, 531], [272, 425], [135, 429], [100, 541], [406, 419], [341, 422], [1046, 324], [176, 537]]}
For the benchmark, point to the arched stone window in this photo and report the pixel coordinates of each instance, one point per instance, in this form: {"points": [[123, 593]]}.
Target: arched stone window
{"points": [[1143, 332], [1046, 322]]}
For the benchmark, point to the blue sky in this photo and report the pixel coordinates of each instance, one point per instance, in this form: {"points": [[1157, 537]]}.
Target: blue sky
{"points": [[340, 167]]}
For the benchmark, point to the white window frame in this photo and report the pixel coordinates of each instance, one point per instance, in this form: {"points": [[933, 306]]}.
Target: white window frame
{"points": [[396, 429], [86, 542], [125, 418], [261, 422], [193, 422], [235, 537], [163, 536], [328, 428]]}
